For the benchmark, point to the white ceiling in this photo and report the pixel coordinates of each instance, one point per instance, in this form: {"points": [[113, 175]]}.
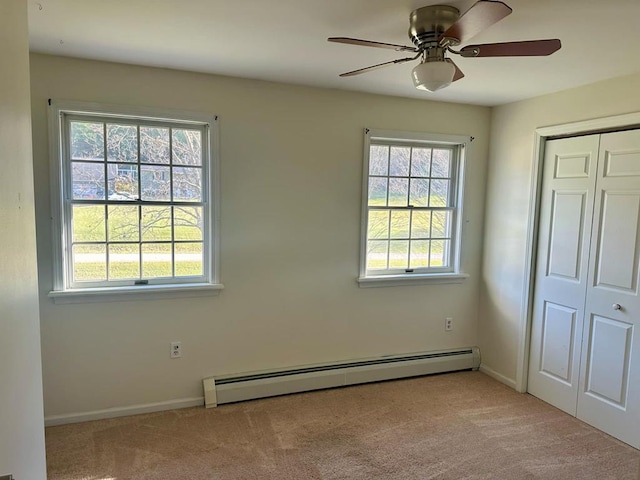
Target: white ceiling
{"points": [[285, 41]]}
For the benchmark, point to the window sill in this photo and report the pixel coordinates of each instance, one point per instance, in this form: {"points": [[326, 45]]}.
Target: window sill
{"points": [[401, 280], [122, 294]]}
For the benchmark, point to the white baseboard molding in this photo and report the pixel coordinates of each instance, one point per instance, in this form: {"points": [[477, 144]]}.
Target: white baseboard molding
{"points": [[331, 375], [497, 376], [53, 420]]}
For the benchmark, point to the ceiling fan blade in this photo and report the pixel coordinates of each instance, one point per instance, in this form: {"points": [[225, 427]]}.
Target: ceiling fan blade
{"points": [[369, 43], [480, 16], [530, 48], [458, 75], [374, 67]]}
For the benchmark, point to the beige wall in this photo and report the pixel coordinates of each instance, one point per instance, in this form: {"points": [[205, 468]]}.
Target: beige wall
{"points": [[291, 165], [21, 418], [508, 203]]}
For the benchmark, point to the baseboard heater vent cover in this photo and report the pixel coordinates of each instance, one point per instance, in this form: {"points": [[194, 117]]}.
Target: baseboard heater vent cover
{"points": [[235, 388]]}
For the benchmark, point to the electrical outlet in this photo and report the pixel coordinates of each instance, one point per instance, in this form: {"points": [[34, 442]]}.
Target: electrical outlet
{"points": [[448, 324], [176, 349]]}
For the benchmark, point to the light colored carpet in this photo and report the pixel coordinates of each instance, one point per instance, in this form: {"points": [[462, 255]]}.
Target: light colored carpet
{"points": [[456, 426]]}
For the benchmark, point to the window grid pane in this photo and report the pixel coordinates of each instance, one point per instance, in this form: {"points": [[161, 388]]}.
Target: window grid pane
{"points": [[377, 255], [122, 143], [89, 262], [419, 256], [157, 260], [109, 174], [412, 227], [86, 140]]}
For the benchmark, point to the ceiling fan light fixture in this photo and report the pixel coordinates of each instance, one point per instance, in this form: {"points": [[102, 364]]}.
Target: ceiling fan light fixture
{"points": [[433, 76]]}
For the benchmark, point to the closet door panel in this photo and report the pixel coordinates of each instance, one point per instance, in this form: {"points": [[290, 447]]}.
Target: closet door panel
{"points": [[616, 265], [607, 362], [569, 173], [609, 393]]}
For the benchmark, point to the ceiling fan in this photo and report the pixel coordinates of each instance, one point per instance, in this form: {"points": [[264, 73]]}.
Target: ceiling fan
{"points": [[435, 29]]}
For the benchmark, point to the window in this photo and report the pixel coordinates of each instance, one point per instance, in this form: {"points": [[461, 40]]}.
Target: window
{"points": [[411, 208], [135, 201]]}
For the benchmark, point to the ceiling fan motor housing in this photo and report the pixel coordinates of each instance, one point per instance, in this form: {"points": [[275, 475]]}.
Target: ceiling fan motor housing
{"points": [[427, 24]]}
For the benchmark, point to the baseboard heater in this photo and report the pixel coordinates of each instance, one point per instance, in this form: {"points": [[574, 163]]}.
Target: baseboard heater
{"points": [[235, 388]]}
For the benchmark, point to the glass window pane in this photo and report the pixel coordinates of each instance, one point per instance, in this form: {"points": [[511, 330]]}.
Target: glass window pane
{"points": [[187, 147], [419, 256], [124, 261], [420, 224], [188, 259], [122, 143], [439, 253], [419, 194], [156, 260], [87, 141], [399, 161], [188, 223], [89, 263], [156, 224], [398, 192], [441, 224], [378, 225], [155, 183], [187, 184], [439, 194], [88, 223], [123, 181], [441, 163], [378, 160], [378, 192], [420, 159], [154, 145], [400, 223], [377, 253], [123, 223], [398, 254], [87, 181]]}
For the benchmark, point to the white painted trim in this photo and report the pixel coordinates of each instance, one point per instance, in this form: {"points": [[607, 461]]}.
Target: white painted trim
{"points": [[524, 339], [122, 411], [395, 135], [215, 235], [365, 204], [143, 292], [509, 382], [169, 114], [464, 156], [624, 121], [55, 174], [593, 125], [398, 280]]}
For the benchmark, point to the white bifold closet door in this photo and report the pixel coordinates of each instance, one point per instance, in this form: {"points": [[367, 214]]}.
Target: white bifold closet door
{"points": [[585, 348]]}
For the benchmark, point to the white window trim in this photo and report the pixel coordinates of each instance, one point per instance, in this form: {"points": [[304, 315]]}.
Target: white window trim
{"points": [[384, 279], [63, 294]]}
